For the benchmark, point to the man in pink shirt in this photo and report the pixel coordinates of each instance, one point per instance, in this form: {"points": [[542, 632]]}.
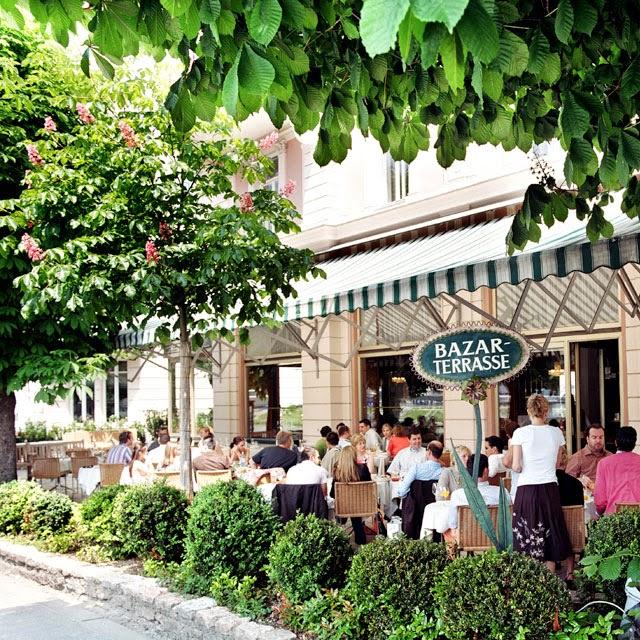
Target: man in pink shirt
{"points": [[618, 476]]}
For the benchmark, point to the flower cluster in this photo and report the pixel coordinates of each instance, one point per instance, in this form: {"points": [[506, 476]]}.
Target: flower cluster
{"points": [[128, 134], [34, 155], [475, 390], [34, 252], [151, 251], [165, 231], [288, 189], [246, 202], [49, 124], [84, 114], [268, 141]]}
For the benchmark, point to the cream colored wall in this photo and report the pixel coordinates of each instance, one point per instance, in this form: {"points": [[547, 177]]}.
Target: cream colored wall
{"points": [[226, 394], [327, 387], [631, 339]]}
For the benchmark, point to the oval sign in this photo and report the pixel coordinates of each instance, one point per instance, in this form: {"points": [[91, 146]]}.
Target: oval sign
{"points": [[452, 357]]}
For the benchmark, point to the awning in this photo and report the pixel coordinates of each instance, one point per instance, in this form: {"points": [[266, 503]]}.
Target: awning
{"points": [[459, 260]]}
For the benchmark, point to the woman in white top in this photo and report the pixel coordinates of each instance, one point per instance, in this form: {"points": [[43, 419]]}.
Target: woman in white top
{"points": [[136, 471], [450, 476], [538, 523], [308, 470], [239, 451]]}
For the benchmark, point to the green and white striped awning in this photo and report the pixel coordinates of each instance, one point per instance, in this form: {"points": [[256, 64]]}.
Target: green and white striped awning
{"points": [[459, 260]]}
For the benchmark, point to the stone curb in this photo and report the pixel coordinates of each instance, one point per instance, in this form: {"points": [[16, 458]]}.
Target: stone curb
{"points": [[135, 601]]}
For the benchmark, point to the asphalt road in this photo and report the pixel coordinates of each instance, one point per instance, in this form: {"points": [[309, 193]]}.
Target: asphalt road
{"points": [[29, 611]]}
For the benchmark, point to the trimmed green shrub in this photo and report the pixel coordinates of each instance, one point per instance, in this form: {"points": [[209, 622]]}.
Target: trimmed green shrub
{"points": [[606, 536], [231, 528], [151, 520], [395, 578], [99, 526], [14, 497], [47, 513], [240, 595], [309, 554], [492, 595]]}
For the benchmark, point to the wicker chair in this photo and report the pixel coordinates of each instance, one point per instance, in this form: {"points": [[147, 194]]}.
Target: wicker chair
{"points": [[110, 474], [574, 519], [47, 469], [471, 535], [621, 506], [172, 478], [205, 478], [355, 499], [79, 453]]}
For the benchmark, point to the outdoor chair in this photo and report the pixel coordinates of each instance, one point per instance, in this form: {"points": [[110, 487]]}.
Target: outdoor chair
{"points": [[495, 481], [621, 506], [471, 536], [172, 478], [574, 519], [419, 496], [110, 474], [205, 478], [78, 463], [288, 500], [47, 469], [355, 499], [79, 453]]}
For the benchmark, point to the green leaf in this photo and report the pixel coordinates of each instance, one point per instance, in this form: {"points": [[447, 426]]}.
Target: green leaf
{"points": [[350, 29], [492, 83], [478, 32], [476, 82], [574, 120], [550, 73], [155, 19], [230, 88], [505, 526], [183, 113], [564, 21], [513, 55], [190, 22], [630, 83], [538, 52], [255, 73], [630, 149], [84, 62], [583, 157], [210, 11], [405, 33], [448, 12], [264, 20], [607, 172], [610, 568], [176, 7], [585, 16], [104, 64], [453, 61], [379, 23], [204, 103]]}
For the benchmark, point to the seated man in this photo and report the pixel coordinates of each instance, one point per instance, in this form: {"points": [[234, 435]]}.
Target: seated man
{"points": [[212, 458], [428, 469], [162, 437], [122, 452], [491, 495], [321, 445], [493, 449], [329, 459], [584, 463], [373, 439], [156, 456], [618, 476], [409, 457], [344, 436], [280, 455], [308, 470]]}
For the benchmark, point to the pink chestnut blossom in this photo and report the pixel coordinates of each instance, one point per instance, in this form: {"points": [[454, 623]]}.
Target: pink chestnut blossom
{"points": [[84, 114], [128, 134], [165, 231], [34, 252], [246, 202], [151, 252], [49, 124], [34, 155], [288, 190], [268, 141]]}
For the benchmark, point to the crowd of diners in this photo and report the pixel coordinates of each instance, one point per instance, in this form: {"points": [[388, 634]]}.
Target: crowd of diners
{"points": [[543, 477]]}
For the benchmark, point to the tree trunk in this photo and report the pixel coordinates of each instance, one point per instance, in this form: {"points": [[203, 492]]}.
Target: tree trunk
{"points": [[7, 436], [186, 472]]}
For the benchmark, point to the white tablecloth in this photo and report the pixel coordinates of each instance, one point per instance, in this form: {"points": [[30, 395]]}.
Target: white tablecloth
{"points": [[435, 518], [88, 478], [590, 512], [387, 491]]}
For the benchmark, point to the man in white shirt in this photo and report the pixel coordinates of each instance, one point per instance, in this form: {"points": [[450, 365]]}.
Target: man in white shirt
{"points": [[491, 495], [344, 436], [374, 441], [407, 458], [308, 470]]}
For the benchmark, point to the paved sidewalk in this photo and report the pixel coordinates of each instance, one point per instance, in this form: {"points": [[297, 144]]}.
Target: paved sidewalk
{"points": [[29, 611]]}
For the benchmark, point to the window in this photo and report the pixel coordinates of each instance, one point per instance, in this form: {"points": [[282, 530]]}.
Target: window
{"points": [[397, 178], [273, 181], [83, 406], [117, 391]]}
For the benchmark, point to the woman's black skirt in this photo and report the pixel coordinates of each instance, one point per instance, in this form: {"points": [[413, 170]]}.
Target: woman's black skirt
{"points": [[539, 529]]}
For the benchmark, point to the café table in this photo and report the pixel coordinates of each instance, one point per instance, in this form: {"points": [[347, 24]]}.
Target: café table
{"points": [[88, 479], [435, 518], [387, 492]]}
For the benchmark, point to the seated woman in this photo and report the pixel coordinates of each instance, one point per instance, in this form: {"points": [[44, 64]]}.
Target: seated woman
{"points": [[397, 441], [205, 434], [239, 452], [308, 470], [347, 469], [136, 471], [450, 476], [363, 456]]}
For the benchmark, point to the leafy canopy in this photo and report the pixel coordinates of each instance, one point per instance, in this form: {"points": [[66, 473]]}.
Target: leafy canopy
{"points": [[504, 72]]}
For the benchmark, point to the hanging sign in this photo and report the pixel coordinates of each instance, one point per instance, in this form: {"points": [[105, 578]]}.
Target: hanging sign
{"points": [[486, 353]]}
